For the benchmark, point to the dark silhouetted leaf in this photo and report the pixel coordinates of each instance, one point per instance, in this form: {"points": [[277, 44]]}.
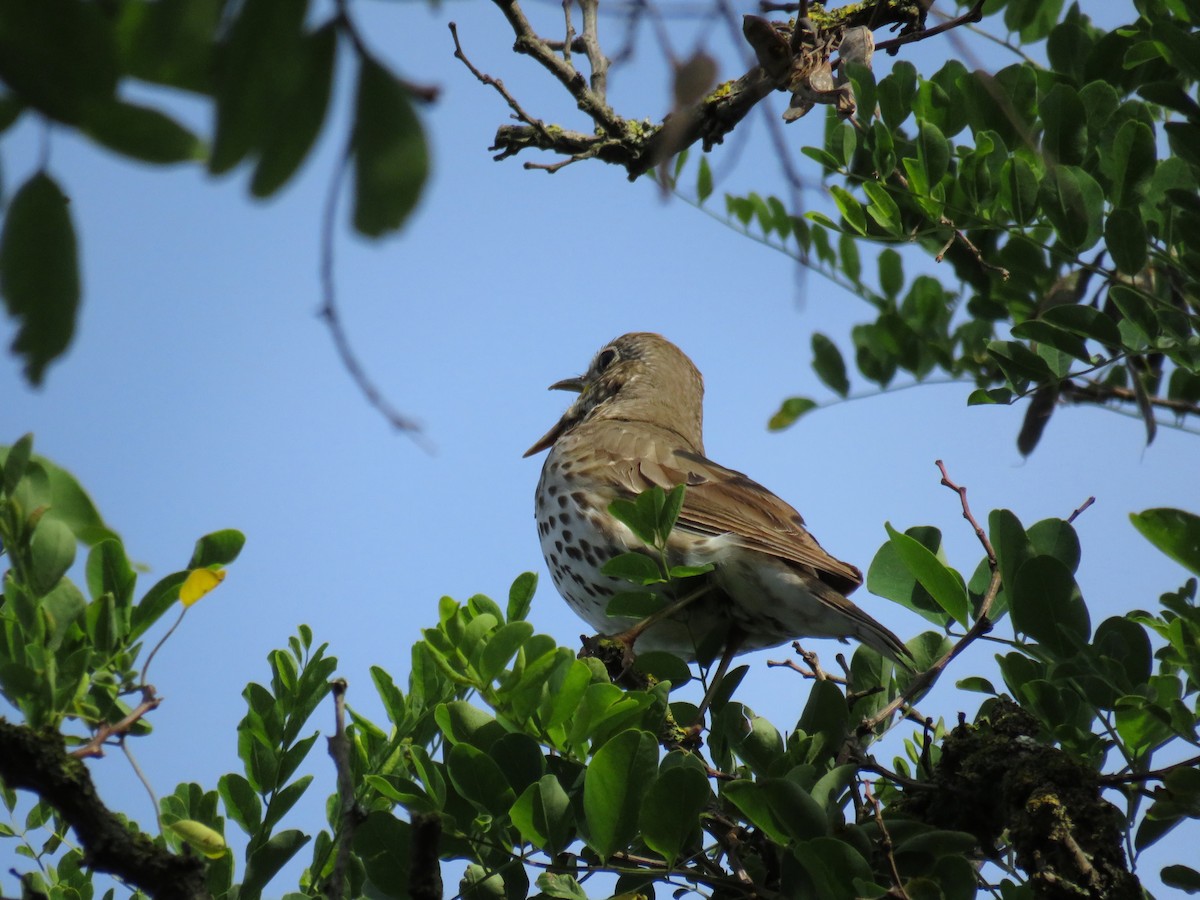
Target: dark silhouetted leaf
{"points": [[391, 161], [39, 272]]}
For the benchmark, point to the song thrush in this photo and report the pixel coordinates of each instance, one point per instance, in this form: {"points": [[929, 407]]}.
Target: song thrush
{"points": [[636, 424]]}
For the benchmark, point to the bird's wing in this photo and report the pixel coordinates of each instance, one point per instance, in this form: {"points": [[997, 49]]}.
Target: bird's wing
{"points": [[720, 501]]}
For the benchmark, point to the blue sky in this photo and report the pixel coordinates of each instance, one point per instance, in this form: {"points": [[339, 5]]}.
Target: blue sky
{"points": [[202, 392]]}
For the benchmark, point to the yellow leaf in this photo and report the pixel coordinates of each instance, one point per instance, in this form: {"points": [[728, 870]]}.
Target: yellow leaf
{"points": [[198, 583], [200, 836]]}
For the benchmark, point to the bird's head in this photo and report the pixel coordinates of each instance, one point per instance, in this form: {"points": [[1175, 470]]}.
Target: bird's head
{"points": [[638, 377]]}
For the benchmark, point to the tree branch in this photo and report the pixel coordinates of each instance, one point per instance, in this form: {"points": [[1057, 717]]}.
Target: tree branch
{"points": [[38, 761], [95, 747], [638, 146]]}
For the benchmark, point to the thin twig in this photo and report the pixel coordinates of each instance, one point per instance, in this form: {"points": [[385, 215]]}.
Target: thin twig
{"points": [[569, 39], [163, 640], [496, 83], [962, 496], [958, 235], [329, 313], [95, 747], [137, 770], [591, 44], [1096, 392], [974, 14], [1075, 515], [589, 101], [1155, 775], [924, 680], [426, 93], [885, 841]]}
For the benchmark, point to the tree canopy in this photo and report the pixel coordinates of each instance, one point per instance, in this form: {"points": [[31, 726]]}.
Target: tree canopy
{"points": [[1062, 196]]}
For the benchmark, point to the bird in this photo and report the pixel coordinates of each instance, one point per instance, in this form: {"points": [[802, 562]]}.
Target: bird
{"points": [[637, 424]]}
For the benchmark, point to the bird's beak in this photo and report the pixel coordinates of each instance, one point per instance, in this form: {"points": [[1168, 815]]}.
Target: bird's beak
{"points": [[547, 439]]}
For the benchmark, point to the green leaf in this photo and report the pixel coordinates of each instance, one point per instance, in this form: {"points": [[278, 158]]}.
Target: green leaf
{"points": [[299, 113], [791, 410], [108, 569], [851, 210], [754, 802], [1019, 363], [889, 576], [560, 887], [52, 551], [391, 160], [1183, 877], [283, 800], [543, 815], [634, 567], [671, 809], [1057, 538], [1126, 643], [15, 458], [1134, 307], [1047, 606], [1073, 202], [640, 517], [62, 607], [1019, 189], [634, 604], [478, 778], [461, 722], [942, 583], [1011, 544], [267, 859], [520, 596], [241, 802], [895, 94], [1051, 336], [170, 42], [251, 83], [780, 807], [883, 208], [39, 270], [829, 365], [1064, 136], [826, 719], [383, 843], [1085, 321], [933, 153], [58, 56], [891, 273], [704, 180], [501, 647], [1173, 531], [219, 548], [620, 774], [981, 397], [834, 867], [155, 603], [142, 133], [1129, 162]]}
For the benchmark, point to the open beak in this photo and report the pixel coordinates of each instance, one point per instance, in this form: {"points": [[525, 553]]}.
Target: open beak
{"points": [[567, 384]]}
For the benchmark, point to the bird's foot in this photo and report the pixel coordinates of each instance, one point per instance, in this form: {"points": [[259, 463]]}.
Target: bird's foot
{"points": [[615, 651]]}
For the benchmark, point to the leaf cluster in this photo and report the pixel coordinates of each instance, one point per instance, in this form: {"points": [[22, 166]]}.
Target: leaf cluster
{"points": [[1065, 198], [508, 753], [265, 69]]}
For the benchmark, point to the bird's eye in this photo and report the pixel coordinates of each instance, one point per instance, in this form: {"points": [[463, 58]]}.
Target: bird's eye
{"points": [[605, 358]]}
